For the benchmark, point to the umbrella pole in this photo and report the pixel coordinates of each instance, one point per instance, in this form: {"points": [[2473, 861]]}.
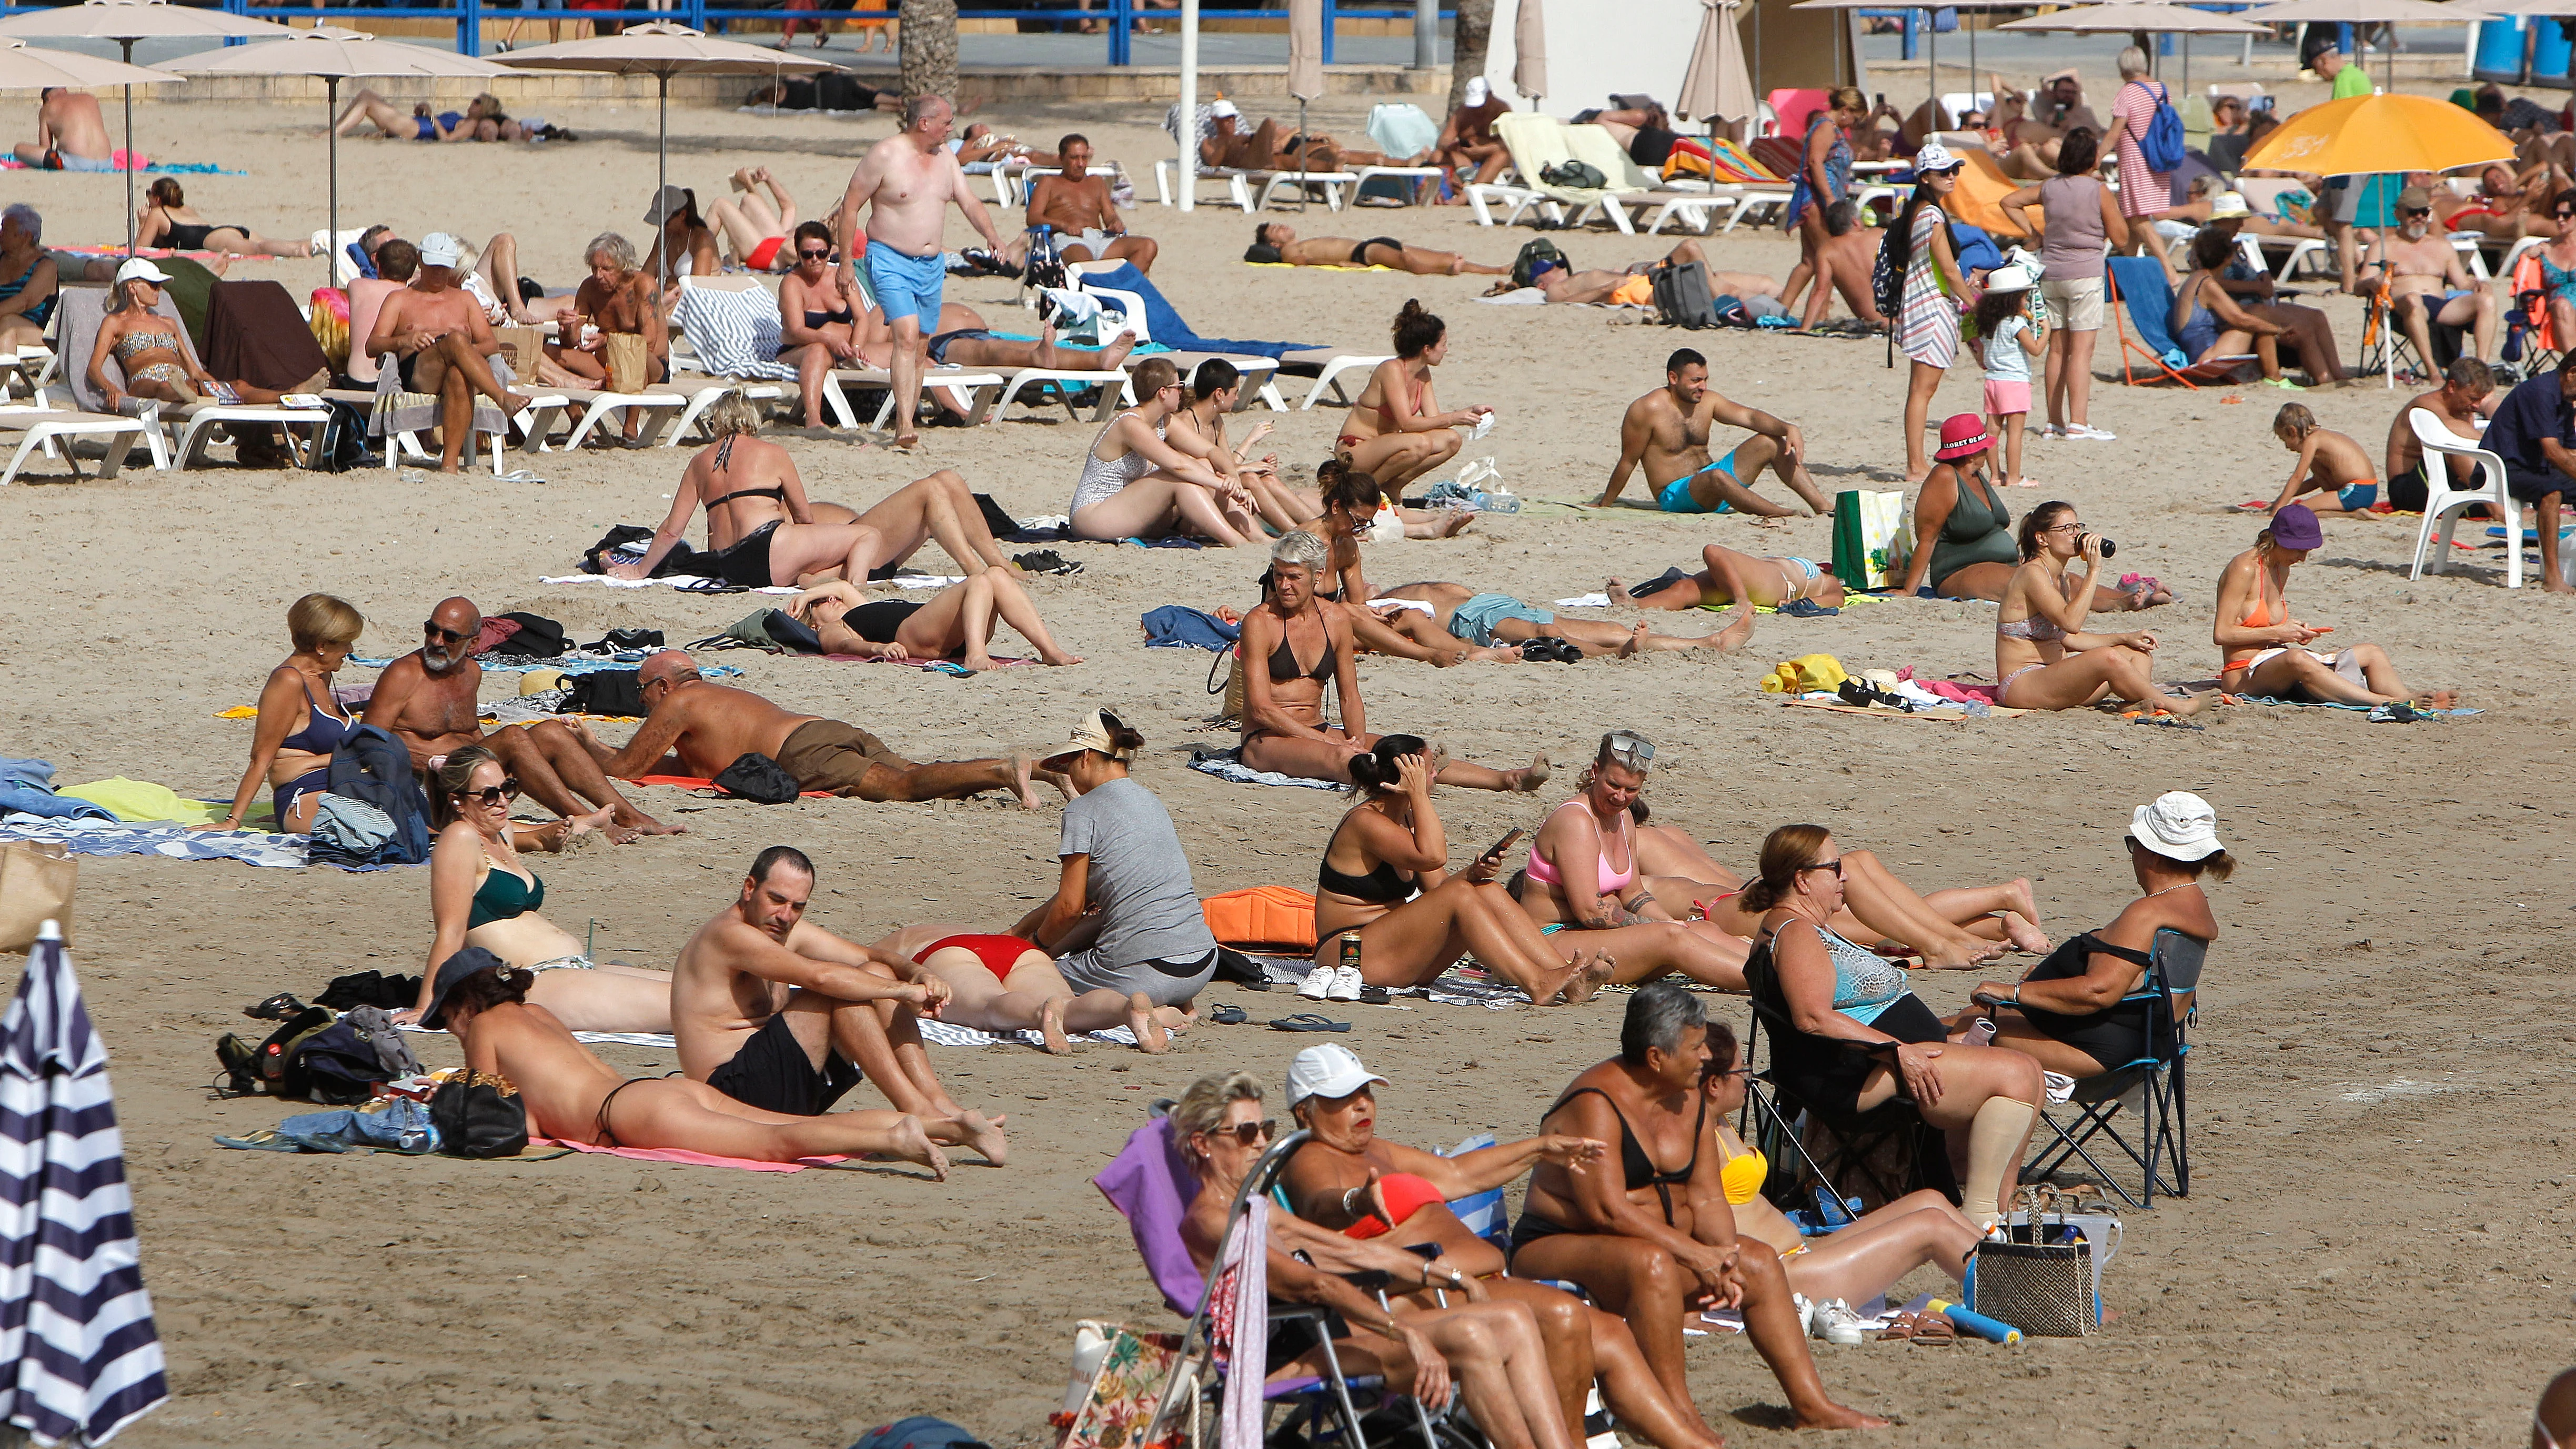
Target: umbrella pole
{"points": [[128, 46], [1303, 148], [661, 179], [331, 238], [1932, 72]]}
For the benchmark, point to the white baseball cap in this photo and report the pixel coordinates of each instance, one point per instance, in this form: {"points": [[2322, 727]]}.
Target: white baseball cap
{"points": [[1330, 1070], [2179, 825], [2229, 206], [1222, 107], [438, 249], [1935, 157], [140, 267], [1477, 91]]}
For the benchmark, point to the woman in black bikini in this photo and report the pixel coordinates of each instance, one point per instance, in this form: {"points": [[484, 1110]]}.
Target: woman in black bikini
{"points": [[955, 623], [818, 322], [1283, 696], [1652, 1241], [167, 220], [761, 529]]}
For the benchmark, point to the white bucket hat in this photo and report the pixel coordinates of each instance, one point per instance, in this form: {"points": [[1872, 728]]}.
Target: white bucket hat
{"points": [[1477, 91], [2179, 826]]}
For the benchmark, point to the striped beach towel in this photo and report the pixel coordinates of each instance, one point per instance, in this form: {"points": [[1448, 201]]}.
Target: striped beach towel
{"points": [[736, 334]]}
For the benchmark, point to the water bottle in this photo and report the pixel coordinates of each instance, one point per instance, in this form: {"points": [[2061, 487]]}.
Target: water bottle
{"points": [[1484, 502]]}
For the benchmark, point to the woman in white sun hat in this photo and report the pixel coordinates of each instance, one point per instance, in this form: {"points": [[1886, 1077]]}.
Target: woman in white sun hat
{"points": [[2068, 1012]]}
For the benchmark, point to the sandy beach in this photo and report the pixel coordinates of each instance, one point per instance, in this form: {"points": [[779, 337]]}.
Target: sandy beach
{"points": [[2369, 1252]]}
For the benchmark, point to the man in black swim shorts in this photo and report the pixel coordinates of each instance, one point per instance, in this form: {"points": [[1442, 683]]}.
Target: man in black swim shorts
{"points": [[1277, 243], [780, 1014]]}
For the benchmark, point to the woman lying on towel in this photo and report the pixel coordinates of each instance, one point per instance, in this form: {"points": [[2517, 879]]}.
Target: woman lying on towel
{"points": [[2042, 654], [300, 723], [1283, 693], [1349, 1179], [1950, 929], [955, 623], [1385, 878], [167, 220], [1570, 884], [482, 894], [151, 358], [1492, 1346], [573, 1096], [1855, 1263], [1499, 620], [1007, 984], [761, 530], [2069, 1011], [1275, 243]]}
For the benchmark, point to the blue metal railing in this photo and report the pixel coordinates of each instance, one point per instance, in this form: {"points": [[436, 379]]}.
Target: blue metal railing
{"points": [[1117, 17]]}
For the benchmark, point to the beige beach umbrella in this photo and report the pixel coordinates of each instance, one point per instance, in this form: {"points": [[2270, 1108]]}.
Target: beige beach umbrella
{"points": [[125, 22], [1305, 70], [1717, 86], [1529, 51], [334, 55]]}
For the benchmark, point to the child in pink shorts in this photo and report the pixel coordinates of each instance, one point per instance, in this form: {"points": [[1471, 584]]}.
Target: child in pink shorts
{"points": [[2010, 333]]}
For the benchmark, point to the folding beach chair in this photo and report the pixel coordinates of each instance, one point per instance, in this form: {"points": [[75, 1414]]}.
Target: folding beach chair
{"points": [[1150, 1185], [2149, 1090], [2385, 346], [1785, 1127], [2527, 310], [2139, 283]]}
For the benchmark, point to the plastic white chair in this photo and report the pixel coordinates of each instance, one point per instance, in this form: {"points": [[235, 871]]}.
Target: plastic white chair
{"points": [[2443, 503]]}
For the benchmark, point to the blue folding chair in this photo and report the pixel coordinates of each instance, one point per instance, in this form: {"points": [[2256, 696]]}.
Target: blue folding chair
{"points": [[2158, 1142], [2139, 283]]}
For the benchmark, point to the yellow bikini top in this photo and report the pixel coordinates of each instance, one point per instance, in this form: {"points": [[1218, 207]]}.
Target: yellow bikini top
{"points": [[1743, 1176]]}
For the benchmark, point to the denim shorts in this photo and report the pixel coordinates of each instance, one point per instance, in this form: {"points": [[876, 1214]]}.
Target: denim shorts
{"points": [[907, 286]]}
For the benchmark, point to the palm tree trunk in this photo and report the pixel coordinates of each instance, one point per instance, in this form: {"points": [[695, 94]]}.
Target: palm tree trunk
{"points": [[1474, 29], [929, 39]]}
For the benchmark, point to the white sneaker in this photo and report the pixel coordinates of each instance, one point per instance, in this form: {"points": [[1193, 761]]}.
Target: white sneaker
{"points": [[1806, 1313], [1346, 984], [1834, 1322], [1318, 983], [2088, 431]]}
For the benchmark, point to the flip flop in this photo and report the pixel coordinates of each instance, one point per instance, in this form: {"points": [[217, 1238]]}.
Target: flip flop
{"points": [[1228, 1015], [1807, 609], [1308, 1021], [949, 668]]}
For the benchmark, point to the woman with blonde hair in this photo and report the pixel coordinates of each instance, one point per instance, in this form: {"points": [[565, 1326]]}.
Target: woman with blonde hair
{"points": [[762, 531], [301, 723]]}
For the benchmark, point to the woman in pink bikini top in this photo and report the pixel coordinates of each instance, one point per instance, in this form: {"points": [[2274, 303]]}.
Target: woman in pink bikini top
{"points": [[1582, 876]]}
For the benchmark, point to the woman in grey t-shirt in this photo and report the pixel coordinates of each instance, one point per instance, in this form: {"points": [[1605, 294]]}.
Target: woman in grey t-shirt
{"points": [[1125, 902]]}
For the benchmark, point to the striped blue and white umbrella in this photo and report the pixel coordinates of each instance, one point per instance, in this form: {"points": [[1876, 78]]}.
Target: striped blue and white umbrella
{"points": [[78, 1354]]}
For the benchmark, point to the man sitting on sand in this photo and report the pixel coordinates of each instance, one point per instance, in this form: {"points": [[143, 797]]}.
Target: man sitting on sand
{"points": [[445, 344], [1668, 431], [70, 134], [426, 699], [2467, 393], [1276, 243], [785, 1016], [697, 728], [1086, 221], [573, 1096], [2332, 472], [1843, 265]]}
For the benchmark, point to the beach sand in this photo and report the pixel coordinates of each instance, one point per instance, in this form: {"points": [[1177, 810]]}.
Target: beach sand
{"points": [[2369, 1252]]}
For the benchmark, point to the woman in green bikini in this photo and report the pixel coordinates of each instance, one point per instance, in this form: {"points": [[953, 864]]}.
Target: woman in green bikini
{"points": [[1973, 552], [482, 894]]}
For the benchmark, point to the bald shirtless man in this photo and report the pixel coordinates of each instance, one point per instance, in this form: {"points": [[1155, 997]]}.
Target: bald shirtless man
{"points": [[907, 181], [1668, 430], [573, 1096], [445, 344], [2467, 394], [697, 728], [1278, 242], [1086, 221], [782, 1015], [426, 699], [2426, 283], [70, 134]]}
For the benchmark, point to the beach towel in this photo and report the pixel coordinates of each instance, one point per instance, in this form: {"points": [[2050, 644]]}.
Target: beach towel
{"points": [[1262, 916], [136, 801], [693, 1159], [95, 837], [27, 788], [1228, 765], [570, 664], [693, 782], [1178, 626], [123, 159], [1167, 327], [944, 1033], [736, 333], [685, 583], [255, 333]]}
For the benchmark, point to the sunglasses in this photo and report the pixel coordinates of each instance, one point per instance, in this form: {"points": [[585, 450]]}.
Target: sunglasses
{"points": [[1248, 1133], [502, 793], [1630, 750], [821, 256], [2564, 215], [1835, 865], [2415, 211], [431, 628]]}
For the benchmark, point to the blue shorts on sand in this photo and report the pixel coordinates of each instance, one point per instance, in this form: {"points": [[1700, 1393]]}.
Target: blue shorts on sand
{"points": [[1475, 619], [907, 286]]}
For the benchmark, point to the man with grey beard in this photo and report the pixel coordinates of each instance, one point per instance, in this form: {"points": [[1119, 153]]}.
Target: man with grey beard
{"points": [[427, 699]]}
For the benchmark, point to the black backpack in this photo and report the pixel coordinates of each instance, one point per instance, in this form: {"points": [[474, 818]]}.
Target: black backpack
{"points": [[1886, 278], [538, 638], [478, 1115], [1682, 295], [1534, 251], [610, 692], [314, 1057], [757, 777]]}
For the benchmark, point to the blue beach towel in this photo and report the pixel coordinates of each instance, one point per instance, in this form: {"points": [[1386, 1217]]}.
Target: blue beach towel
{"points": [[1168, 328]]}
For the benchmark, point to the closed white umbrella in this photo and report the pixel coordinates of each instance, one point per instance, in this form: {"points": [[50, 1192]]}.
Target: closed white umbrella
{"points": [[1717, 87], [661, 50], [335, 55], [79, 1358], [1529, 51], [125, 22]]}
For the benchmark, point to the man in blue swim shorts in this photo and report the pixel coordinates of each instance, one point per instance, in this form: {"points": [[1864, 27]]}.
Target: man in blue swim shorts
{"points": [[1667, 430], [907, 182]]}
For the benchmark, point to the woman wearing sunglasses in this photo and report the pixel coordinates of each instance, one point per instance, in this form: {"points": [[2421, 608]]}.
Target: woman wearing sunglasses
{"points": [[1857, 1038], [152, 357], [2043, 655], [482, 894]]}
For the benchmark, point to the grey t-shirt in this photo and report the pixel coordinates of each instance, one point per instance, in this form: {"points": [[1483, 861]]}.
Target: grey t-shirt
{"points": [[1140, 880]]}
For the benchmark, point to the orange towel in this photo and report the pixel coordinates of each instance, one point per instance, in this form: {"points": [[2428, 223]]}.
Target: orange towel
{"points": [[1262, 916]]}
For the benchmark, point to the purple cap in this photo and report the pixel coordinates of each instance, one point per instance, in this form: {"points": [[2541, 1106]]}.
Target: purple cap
{"points": [[2296, 527]]}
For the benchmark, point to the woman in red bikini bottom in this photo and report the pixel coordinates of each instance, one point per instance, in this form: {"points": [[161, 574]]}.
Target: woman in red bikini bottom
{"points": [[1006, 984]]}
